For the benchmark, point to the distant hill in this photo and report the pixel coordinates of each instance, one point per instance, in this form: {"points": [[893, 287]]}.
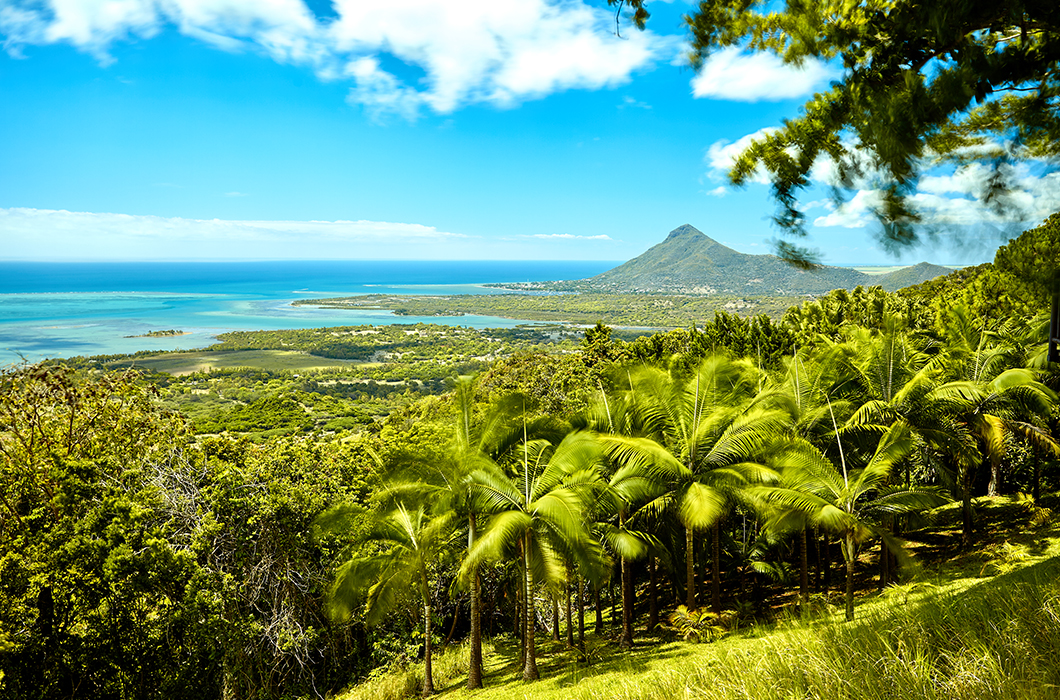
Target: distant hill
{"points": [[908, 276], [691, 262]]}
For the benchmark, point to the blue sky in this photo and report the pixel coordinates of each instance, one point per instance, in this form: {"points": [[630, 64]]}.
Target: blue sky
{"points": [[395, 129]]}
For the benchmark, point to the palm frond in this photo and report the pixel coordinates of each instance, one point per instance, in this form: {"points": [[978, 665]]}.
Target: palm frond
{"points": [[701, 506]]}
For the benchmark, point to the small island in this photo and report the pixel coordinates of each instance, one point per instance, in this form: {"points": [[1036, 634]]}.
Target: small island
{"points": [[160, 334]]}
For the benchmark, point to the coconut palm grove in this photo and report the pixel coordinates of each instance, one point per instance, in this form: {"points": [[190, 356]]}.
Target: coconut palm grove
{"points": [[852, 499]]}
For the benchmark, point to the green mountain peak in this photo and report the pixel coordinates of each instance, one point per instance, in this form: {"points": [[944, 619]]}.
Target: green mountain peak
{"points": [[689, 261]]}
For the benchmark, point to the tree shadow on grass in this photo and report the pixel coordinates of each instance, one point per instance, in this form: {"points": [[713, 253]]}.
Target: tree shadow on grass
{"points": [[560, 666]]}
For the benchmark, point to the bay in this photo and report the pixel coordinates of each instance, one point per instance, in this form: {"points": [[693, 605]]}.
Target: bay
{"points": [[54, 310]]}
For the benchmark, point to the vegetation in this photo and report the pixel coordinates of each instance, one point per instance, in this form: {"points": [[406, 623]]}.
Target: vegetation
{"points": [[586, 307], [290, 534], [159, 334]]}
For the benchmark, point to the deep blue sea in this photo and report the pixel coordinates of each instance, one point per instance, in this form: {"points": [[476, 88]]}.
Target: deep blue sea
{"points": [[67, 309]]}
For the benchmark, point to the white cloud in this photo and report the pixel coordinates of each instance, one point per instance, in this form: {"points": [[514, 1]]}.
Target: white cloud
{"points": [[719, 191], [628, 101], [571, 237], [37, 234], [955, 199], [721, 155], [855, 213], [946, 197], [732, 74], [499, 52]]}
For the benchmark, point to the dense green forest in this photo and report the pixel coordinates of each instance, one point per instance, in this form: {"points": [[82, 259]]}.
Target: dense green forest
{"points": [[268, 533]]}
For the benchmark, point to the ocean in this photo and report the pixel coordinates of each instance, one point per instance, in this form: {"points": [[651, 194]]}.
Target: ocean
{"points": [[54, 310]]}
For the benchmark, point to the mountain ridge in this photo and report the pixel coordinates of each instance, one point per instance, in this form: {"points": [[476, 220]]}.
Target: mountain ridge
{"points": [[689, 261]]}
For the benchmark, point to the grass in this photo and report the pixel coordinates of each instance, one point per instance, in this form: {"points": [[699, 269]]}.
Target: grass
{"points": [[181, 363], [967, 625]]}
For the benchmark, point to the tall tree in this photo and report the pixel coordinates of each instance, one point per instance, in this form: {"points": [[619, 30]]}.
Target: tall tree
{"points": [[480, 437], [706, 420], [989, 409], [846, 500], [637, 477], [399, 552], [536, 511]]}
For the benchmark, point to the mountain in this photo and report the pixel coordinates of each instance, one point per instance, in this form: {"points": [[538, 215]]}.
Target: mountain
{"points": [[908, 276], [691, 262]]}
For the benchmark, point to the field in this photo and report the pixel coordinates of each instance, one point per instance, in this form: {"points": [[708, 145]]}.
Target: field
{"points": [[184, 363], [880, 269]]}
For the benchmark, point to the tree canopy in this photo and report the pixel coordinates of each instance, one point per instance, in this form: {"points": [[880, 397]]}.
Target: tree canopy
{"points": [[966, 83]]}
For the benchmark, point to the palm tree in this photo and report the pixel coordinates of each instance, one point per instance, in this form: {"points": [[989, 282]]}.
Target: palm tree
{"points": [[707, 421], [989, 410], [635, 485], [892, 373], [479, 439], [845, 501], [398, 552], [536, 515], [478, 443], [809, 390]]}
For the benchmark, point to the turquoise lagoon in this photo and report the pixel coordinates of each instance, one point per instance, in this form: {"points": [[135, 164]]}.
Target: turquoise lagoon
{"points": [[52, 310]]}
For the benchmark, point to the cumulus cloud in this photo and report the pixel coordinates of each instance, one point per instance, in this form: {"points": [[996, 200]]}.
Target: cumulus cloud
{"points": [[37, 234], [855, 213], [721, 155], [732, 74], [956, 199], [953, 196], [499, 52]]}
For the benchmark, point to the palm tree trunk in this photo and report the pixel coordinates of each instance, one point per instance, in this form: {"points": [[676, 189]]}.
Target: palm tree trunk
{"points": [[1036, 486], [611, 594], [599, 610], [966, 507], [555, 619], [653, 595], [581, 612], [474, 672], [530, 665], [827, 564], [566, 600], [994, 487], [626, 640], [817, 569], [520, 612], [690, 571], [883, 565], [848, 554], [715, 581], [804, 570], [428, 673]]}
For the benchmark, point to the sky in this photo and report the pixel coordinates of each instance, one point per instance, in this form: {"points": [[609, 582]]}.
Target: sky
{"points": [[403, 129]]}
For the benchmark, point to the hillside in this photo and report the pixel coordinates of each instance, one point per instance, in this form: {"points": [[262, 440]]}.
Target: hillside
{"points": [[690, 262], [965, 624], [908, 276]]}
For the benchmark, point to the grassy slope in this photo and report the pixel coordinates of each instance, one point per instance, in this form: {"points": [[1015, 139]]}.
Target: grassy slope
{"points": [[984, 624]]}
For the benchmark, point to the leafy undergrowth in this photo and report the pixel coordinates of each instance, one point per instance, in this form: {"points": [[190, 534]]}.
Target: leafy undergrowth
{"points": [[979, 623]]}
